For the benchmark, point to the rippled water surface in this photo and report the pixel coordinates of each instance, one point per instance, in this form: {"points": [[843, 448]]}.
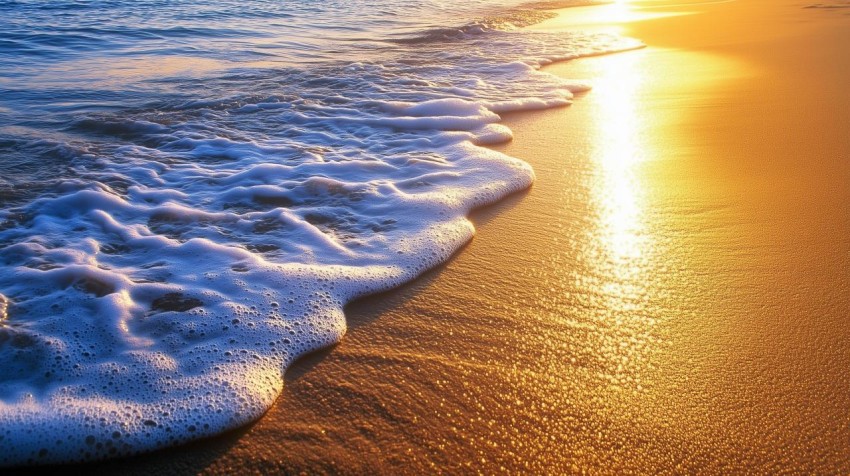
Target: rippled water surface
{"points": [[191, 192]]}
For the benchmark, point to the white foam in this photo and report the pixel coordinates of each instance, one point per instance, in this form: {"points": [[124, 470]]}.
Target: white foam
{"points": [[160, 297]]}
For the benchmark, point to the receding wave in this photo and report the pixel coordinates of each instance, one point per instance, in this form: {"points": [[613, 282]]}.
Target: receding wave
{"points": [[528, 14], [171, 244]]}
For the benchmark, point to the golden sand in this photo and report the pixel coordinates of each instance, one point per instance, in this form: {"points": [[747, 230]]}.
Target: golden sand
{"points": [[672, 295]]}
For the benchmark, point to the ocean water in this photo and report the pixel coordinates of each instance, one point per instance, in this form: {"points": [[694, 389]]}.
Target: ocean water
{"points": [[192, 191]]}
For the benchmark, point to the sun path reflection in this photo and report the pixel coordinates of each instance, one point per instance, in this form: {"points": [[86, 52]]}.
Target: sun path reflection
{"points": [[617, 190], [619, 253]]}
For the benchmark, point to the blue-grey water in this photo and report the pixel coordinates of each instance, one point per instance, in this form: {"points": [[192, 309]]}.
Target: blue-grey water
{"points": [[191, 191]]}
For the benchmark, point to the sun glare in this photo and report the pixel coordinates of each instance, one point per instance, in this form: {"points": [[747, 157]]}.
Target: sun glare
{"points": [[619, 194]]}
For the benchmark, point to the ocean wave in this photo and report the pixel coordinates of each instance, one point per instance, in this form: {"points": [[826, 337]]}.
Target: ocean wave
{"points": [[209, 230]]}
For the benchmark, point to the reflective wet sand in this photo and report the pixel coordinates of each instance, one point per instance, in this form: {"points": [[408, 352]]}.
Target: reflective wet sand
{"points": [[672, 295]]}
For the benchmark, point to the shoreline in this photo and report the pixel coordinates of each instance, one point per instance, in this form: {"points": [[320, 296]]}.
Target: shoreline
{"points": [[497, 359]]}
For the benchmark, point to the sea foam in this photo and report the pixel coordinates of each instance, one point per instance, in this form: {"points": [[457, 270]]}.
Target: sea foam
{"points": [[199, 244]]}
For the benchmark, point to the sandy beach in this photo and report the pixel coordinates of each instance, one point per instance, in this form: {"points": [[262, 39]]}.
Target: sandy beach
{"points": [[671, 296]]}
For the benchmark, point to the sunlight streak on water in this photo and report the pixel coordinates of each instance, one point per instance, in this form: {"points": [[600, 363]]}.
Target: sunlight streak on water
{"points": [[618, 191], [620, 249]]}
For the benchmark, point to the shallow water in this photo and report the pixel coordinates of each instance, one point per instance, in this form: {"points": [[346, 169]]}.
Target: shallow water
{"points": [[191, 192]]}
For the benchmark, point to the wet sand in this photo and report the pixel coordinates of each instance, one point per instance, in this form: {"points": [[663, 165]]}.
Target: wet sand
{"points": [[671, 296]]}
